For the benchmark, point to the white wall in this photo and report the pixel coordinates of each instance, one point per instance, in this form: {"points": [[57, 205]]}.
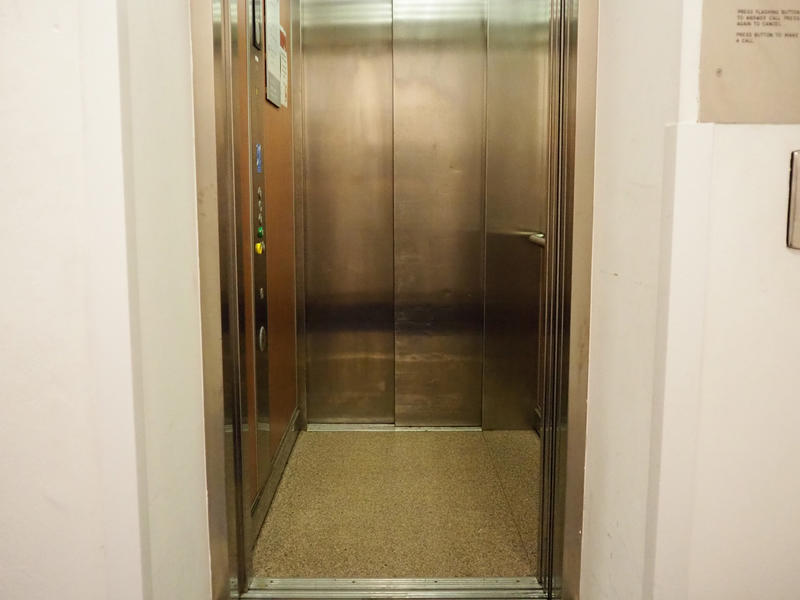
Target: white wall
{"points": [[70, 514], [158, 141], [691, 441], [727, 447], [637, 95], [745, 517], [101, 415]]}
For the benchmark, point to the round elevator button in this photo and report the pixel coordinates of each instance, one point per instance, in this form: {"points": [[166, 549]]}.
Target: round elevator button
{"points": [[262, 338]]}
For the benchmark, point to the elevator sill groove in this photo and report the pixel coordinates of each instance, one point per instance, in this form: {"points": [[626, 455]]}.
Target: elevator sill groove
{"points": [[464, 587], [387, 428]]}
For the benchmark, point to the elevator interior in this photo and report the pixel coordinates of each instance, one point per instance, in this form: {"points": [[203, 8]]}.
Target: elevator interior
{"points": [[384, 304]]}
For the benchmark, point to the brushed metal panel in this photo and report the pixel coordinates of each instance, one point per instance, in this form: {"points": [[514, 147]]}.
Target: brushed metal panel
{"points": [[557, 344], [439, 81], [248, 136], [347, 53], [278, 156], [298, 160], [243, 197], [256, 267], [225, 98], [239, 316], [258, 205], [517, 150]]}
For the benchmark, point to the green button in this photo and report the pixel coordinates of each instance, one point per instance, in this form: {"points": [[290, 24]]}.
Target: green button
{"points": [[260, 232]]}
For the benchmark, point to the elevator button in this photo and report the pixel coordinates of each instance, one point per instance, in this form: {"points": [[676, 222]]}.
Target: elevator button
{"points": [[259, 247], [262, 338]]}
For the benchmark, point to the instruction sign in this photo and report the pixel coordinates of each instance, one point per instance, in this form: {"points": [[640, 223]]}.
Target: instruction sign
{"points": [[750, 61], [284, 69], [273, 26]]}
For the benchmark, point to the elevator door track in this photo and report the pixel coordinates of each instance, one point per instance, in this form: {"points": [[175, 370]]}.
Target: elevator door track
{"points": [[486, 588]]}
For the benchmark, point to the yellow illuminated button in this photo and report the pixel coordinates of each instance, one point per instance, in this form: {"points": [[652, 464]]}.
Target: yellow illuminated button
{"points": [[259, 247]]}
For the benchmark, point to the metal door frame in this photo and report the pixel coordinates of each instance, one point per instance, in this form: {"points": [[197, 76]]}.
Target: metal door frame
{"points": [[567, 317]]}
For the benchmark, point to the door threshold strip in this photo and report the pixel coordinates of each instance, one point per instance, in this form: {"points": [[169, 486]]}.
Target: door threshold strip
{"points": [[460, 587], [388, 428]]}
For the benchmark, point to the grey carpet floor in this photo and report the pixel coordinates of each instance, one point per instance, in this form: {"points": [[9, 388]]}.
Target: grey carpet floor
{"points": [[405, 504]]}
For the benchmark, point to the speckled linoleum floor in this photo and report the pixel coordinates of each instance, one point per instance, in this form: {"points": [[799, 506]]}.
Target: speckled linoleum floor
{"points": [[405, 504]]}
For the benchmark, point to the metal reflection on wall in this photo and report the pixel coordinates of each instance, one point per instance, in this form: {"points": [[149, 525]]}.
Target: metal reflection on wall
{"points": [[439, 70], [347, 51], [426, 174], [517, 132]]}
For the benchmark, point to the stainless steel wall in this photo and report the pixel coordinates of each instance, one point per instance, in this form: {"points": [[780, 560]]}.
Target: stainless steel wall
{"points": [[517, 131], [347, 48], [298, 161], [426, 144], [439, 112]]}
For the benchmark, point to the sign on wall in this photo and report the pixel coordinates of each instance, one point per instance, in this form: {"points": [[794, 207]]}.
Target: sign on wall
{"points": [[274, 51], [750, 61]]}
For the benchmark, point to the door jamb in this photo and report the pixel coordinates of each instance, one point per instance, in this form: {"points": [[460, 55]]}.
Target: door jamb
{"points": [[212, 185], [579, 154]]}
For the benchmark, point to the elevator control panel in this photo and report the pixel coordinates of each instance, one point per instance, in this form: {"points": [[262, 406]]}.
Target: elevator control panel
{"points": [[257, 235], [259, 256]]}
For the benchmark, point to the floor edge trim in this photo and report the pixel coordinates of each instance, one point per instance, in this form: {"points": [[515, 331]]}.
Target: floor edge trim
{"points": [[382, 428], [465, 587]]}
